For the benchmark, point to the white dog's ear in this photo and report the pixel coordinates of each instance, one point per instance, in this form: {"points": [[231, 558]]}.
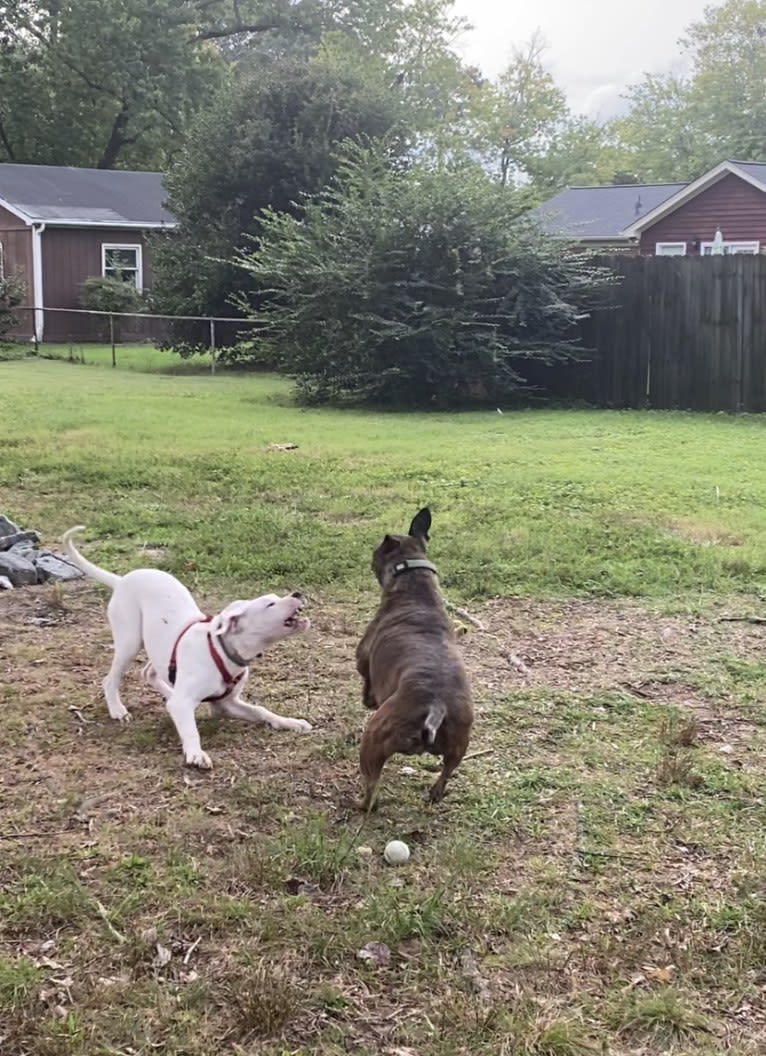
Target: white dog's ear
{"points": [[226, 621]]}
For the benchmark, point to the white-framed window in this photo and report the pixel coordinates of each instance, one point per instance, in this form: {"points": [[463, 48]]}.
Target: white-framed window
{"points": [[124, 262], [2, 261], [670, 249], [732, 247]]}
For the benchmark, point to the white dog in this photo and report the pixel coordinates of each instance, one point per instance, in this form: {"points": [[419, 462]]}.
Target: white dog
{"points": [[192, 657]]}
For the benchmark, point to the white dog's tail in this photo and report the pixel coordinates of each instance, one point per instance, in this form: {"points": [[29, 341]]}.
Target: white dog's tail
{"points": [[435, 717], [109, 578]]}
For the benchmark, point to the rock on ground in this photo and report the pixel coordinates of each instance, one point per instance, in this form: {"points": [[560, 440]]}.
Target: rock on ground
{"points": [[18, 568], [50, 566], [22, 564]]}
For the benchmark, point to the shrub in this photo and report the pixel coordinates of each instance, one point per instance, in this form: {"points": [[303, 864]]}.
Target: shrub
{"points": [[105, 294], [264, 141], [422, 286], [12, 293]]}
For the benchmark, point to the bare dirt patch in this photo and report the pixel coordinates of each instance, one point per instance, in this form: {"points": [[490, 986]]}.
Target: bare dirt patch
{"points": [[589, 899], [61, 740], [53, 658], [576, 645]]}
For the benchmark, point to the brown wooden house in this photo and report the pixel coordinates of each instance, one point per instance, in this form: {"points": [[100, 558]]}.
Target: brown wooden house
{"points": [[722, 211], [60, 226]]}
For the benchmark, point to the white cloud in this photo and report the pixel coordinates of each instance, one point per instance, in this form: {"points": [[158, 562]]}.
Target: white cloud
{"points": [[596, 47]]}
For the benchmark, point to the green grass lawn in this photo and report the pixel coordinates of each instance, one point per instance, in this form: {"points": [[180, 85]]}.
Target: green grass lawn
{"points": [[593, 883], [527, 503], [145, 357]]}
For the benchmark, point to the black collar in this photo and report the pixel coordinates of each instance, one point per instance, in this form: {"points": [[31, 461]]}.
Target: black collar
{"points": [[232, 654], [412, 565]]}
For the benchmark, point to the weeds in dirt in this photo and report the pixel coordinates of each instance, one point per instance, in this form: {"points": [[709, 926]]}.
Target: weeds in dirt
{"points": [[678, 730], [664, 1018], [676, 767], [260, 999]]}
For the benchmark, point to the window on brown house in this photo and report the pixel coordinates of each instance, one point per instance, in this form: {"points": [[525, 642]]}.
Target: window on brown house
{"points": [[670, 249], [123, 262], [732, 247]]}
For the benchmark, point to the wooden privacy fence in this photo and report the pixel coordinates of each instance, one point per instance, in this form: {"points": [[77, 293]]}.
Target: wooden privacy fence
{"points": [[678, 332]]}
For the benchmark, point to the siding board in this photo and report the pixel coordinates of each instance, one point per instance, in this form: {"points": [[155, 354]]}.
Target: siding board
{"points": [[16, 239], [70, 256], [731, 204]]}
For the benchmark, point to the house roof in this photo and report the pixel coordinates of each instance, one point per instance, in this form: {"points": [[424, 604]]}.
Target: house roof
{"points": [[602, 213], [64, 196], [755, 169], [621, 212], [753, 172]]}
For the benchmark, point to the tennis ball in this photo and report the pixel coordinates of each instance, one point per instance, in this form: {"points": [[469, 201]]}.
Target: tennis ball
{"points": [[396, 852]]}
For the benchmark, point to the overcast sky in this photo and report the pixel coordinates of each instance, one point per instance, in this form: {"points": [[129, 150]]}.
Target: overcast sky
{"points": [[596, 47]]}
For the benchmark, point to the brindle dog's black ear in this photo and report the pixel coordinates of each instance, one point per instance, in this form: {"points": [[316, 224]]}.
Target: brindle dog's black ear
{"points": [[388, 544], [421, 522]]}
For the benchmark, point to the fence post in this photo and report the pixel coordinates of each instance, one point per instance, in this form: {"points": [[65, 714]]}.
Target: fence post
{"points": [[743, 273], [111, 337], [212, 346]]}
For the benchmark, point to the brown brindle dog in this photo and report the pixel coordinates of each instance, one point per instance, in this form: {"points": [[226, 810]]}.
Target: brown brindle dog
{"points": [[414, 677]]}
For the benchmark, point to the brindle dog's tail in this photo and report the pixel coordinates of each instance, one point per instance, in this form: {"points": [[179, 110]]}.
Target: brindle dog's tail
{"points": [[435, 717]]}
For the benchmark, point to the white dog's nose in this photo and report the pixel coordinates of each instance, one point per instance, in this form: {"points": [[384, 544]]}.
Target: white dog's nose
{"points": [[297, 594]]}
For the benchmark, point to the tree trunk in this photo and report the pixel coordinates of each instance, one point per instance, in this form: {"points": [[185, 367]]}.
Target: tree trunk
{"points": [[6, 143], [117, 140]]}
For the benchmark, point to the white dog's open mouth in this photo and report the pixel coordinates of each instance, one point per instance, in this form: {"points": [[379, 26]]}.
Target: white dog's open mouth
{"points": [[297, 622]]}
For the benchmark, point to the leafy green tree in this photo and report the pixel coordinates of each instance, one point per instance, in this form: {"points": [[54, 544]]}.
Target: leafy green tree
{"points": [[104, 84], [419, 286], [262, 143], [728, 86], [520, 114], [678, 127], [580, 152], [659, 135], [98, 83], [525, 133]]}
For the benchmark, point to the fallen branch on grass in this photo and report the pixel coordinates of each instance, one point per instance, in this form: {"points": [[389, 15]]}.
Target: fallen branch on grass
{"points": [[464, 615], [742, 619], [103, 913], [434, 768], [192, 948], [80, 715], [32, 835]]}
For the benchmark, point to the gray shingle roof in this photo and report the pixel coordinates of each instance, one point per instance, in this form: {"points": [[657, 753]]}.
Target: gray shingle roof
{"points": [[57, 194], [607, 212], [756, 170], [602, 212]]}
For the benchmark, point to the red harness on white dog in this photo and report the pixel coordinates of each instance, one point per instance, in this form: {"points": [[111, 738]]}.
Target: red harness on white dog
{"points": [[229, 680]]}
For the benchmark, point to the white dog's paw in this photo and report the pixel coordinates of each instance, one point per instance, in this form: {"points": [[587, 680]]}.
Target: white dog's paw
{"points": [[199, 759], [297, 725], [121, 715]]}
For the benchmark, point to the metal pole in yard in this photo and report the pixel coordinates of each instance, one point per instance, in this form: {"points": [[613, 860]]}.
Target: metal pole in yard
{"points": [[111, 336], [212, 346]]}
